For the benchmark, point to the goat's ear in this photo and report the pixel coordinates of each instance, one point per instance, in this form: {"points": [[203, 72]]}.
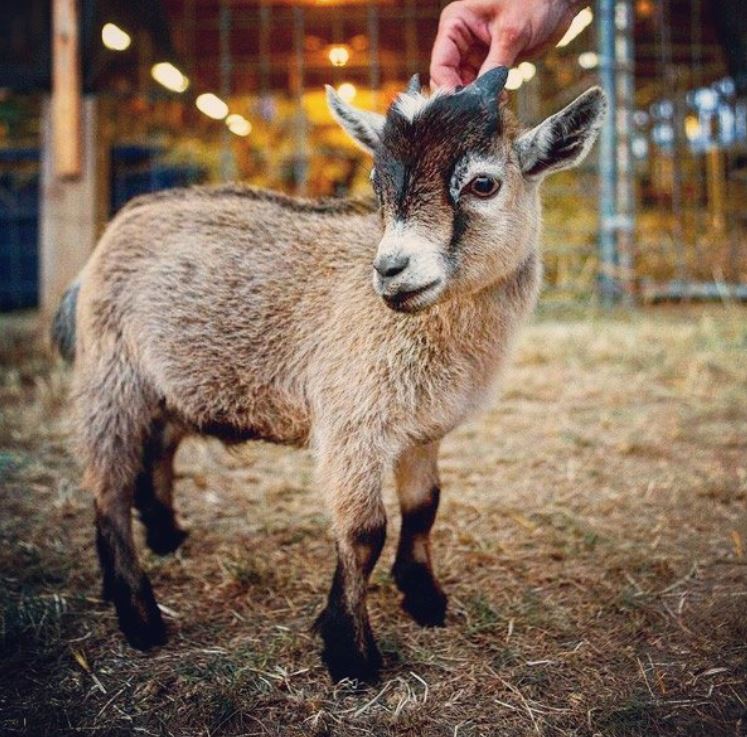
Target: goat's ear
{"points": [[362, 126], [563, 140]]}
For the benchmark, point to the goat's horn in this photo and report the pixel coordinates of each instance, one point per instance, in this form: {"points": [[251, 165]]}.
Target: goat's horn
{"points": [[491, 83], [413, 86]]}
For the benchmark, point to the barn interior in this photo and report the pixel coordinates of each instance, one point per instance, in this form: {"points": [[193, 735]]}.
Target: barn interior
{"points": [[177, 92]]}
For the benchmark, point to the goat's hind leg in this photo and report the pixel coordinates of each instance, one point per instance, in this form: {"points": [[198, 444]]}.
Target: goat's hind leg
{"points": [[418, 488], [115, 415], [154, 488]]}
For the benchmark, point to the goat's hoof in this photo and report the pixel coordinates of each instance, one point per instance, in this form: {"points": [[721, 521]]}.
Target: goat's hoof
{"points": [[427, 608], [165, 540], [145, 635], [139, 616], [341, 652], [423, 598], [347, 662]]}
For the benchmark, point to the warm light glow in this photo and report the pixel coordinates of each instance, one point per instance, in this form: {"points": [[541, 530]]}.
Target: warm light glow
{"points": [[339, 56], [514, 80], [359, 42], [583, 19], [527, 70], [238, 124], [114, 38], [212, 106], [692, 127], [169, 76], [347, 91], [588, 60]]}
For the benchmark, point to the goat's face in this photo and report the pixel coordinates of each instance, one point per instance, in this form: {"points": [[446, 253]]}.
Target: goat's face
{"points": [[457, 186]]}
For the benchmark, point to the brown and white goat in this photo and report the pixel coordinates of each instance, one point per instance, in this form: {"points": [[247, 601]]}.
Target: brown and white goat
{"points": [[243, 314]]}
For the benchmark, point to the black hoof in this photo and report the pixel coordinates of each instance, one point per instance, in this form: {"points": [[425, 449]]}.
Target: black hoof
{"points": [[145, 635], [349, 663], [427, 609], [341, 654], [139, 616], [423, 598], [166, 539]]}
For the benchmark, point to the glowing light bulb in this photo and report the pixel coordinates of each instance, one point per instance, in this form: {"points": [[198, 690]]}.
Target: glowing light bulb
{"points": [[339, 56], [588, 60], [212, 106], [238, 124], [347, 91], [114, 38], [169, 76], [514, 80], [527, 70], [581, 21]]}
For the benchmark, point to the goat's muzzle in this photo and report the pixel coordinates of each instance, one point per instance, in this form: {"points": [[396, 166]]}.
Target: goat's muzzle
{"points": [[412, 300]]}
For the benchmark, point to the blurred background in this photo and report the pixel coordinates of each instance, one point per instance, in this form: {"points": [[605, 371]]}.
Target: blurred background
{"points": [[102, 100]]}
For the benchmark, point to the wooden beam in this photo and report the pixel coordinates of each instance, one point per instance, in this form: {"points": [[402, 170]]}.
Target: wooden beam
{"points": [[66, 89]]}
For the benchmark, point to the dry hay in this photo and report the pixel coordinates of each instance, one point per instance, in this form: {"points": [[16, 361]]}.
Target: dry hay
{"points": [[592, 541]]}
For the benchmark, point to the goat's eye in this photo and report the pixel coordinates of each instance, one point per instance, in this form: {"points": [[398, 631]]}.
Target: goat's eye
{"points": [[484, 186]]}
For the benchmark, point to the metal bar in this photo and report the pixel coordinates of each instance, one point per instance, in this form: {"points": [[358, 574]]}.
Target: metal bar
{"points": [[677, 290], [227, 162], [300, 163], [624, 21], [265, 10], [608, 290], [374, 73], [669, 75]]}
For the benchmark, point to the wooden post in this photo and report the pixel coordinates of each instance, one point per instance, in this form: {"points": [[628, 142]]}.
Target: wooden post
{"points": [[66, 89], [72, 209]]}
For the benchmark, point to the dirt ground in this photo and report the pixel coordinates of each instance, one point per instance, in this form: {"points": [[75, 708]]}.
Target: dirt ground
{"points": [[591, 538]]}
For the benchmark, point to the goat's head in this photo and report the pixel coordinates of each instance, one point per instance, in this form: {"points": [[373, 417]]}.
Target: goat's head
{"points": [[457, 184]]}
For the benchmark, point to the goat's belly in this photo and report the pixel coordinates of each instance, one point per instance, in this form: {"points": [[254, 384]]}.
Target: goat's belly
{"points": [[260, 416]]}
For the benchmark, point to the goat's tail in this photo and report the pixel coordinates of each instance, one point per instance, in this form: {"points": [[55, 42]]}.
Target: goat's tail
{"points": [[63, 324]]}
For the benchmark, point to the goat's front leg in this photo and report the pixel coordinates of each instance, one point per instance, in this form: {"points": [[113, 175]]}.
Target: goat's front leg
{"points": [[359, 523], [418, 488]]}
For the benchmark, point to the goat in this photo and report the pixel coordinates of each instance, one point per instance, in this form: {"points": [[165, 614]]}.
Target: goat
{"points": [[244, 314]]}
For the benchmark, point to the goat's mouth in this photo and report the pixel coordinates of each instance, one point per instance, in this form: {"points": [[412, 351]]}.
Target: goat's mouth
{"points": [[413, 300]]}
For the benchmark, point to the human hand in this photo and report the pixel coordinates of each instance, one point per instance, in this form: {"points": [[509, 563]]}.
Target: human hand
{"points": [[477, 35]]}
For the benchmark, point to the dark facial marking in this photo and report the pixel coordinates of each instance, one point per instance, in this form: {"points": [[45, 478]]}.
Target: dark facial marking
{"points": [[416, 158]]}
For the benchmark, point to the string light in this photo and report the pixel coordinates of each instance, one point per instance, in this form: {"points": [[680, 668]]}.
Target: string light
{"points": [[588, 60], [339, 56], [347, 91], [578, 24], [527, 70], [169, 76], [114, 38], [212, 106], [514, 80], [238, 124]]}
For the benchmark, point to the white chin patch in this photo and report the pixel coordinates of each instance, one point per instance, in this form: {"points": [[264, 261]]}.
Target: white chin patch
{"points": [[414, 300], [423, 274]]}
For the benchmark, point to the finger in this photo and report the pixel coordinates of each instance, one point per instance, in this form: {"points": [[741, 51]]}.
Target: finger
{"points": [[458, 33], [508, 38], [445, 76], [500, 55]]}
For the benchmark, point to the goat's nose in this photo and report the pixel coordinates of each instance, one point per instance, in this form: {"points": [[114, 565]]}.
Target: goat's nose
{"points": [[390, 265]]}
